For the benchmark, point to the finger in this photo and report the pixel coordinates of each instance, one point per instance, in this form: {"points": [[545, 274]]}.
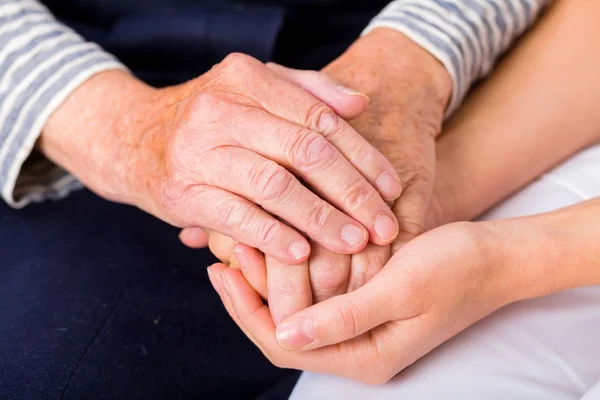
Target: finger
{"points": [[288, 288], [194, 238], [280, 193], [339, 318], [238, 218], [411, 210], [221, 246], [366, 264], [241, 302], [374, 358], [305, 110], [328, 273], [215, 274], [322, 167], [253, 267], [255, 320], [346, 102]]}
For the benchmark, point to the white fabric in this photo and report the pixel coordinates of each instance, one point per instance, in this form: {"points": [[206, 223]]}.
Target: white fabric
{"points": [[547, 348]]}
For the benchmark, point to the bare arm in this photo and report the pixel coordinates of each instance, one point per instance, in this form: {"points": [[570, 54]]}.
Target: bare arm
{"points": [[540, 107]]}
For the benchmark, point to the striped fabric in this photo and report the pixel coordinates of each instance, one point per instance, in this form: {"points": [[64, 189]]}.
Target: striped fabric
{"points": [[467, 36], [43, 61]]}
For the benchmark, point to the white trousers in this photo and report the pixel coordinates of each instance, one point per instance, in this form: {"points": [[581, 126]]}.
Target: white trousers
{"points": [[547, 348]]}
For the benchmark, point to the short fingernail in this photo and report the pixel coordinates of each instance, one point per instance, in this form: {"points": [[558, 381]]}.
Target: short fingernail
{"points": [[296, 333], [385, 228], [388, 186], [241, 258], [352, 92], [299, 250], [225, 284], [353, 235], [212, 280]]}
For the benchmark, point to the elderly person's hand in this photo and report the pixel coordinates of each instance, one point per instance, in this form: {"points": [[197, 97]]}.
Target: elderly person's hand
{"points": [[235, 150], [409, 90]]}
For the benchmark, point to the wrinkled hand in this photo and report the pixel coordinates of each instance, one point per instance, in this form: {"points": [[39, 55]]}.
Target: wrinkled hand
{"points": [[409, 90], [432, 288], [236, 151]]}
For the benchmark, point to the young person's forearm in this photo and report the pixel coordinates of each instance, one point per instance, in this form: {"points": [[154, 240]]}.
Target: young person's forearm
{"points": [[539, 108], [550, 252]]}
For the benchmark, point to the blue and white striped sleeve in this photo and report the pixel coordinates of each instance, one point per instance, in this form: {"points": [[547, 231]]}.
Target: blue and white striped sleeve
{"points": [[467, 36], [41, 62]]}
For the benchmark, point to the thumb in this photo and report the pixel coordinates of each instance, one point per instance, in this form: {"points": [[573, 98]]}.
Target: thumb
{"points": [[346, 102], [337, 319]]}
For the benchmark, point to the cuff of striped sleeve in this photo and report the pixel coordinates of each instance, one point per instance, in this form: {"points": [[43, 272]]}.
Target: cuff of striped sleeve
{"points": [[43, 62], [466, 36]]}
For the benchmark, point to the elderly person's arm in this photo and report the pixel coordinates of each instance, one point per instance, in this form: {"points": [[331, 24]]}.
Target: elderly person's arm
{"points": [[223, 150]]}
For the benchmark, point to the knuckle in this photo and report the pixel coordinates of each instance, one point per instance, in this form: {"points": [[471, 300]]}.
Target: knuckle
{"points": [[348, 319], [320, 215], [271, 180], [310, 150], [328, 279], [237, 61], [234, 214], [362, 154], [411, 226], [322, 118], [208, 105], [359, 194], [268, 231]]}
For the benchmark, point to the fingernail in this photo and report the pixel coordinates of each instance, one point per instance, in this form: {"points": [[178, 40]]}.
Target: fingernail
{"points": [[299, 250], [385, 228], [296, 333], [353, 235], [212, 280], [225, 284], [241, 258], [388, 186], [352, 92]]}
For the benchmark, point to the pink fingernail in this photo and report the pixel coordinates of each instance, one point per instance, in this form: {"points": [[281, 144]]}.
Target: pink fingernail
{"points": [[296, 333], [213, 280], [225, 284], [242, 259], [388, 187], [299, 250], [385, 228], [353, 235]]}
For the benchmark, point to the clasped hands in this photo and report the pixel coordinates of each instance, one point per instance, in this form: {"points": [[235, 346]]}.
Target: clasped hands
{"points": [[367, 316]]}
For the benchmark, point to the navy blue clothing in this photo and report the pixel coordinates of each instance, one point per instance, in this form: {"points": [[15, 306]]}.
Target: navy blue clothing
{"points": [[166, 42], [101, 301]]}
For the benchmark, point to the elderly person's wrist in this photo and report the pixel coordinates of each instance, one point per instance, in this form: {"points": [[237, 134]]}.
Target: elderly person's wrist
{"points": [[385, 61], [95, 134]]}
